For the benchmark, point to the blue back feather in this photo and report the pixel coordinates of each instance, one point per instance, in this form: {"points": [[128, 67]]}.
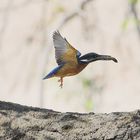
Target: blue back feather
{"points": [[54, 71]]}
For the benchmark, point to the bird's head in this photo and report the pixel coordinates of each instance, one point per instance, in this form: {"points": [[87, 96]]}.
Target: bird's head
{"points": [[90, 57]]}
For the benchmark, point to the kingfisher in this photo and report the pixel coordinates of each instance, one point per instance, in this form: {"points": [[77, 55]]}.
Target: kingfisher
{"points": [[69, 60]]}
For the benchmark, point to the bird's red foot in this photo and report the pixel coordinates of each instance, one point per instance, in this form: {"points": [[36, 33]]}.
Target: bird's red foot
{"points": [[61, 82]]}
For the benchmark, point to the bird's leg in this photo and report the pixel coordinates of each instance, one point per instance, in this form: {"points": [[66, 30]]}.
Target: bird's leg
{"points": [[61, 80]]}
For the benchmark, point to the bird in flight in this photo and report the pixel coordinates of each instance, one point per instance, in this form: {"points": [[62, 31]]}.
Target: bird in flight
{"points": [[69, 60]]}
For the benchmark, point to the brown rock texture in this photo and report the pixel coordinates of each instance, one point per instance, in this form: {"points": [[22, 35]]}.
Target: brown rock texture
{"points": [[19, 122]]}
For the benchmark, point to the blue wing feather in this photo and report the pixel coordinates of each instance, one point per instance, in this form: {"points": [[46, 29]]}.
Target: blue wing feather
{"points": [[54, 71]]}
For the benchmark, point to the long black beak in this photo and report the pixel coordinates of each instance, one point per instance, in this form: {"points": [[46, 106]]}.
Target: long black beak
{"points": [[105, 57], [90, 57]]}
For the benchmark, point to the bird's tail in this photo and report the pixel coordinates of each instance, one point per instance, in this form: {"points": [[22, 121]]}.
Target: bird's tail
{"points": [[47, 77], [53, 72]]}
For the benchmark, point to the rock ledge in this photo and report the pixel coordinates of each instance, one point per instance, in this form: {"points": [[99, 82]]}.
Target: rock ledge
{"points": [[19, 122]]}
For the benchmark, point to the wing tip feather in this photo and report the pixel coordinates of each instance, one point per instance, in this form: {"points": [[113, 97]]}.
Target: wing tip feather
{"points": [[56, 34]]}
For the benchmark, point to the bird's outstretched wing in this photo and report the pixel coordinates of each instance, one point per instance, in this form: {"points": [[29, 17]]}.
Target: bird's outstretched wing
{"points": [[64, 52]]}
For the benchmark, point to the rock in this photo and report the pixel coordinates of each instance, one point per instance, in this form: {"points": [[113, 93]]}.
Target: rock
{"points": [[28, 123]]}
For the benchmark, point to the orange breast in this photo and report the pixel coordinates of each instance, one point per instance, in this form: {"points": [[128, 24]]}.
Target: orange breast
{"points": [[70, 69]]}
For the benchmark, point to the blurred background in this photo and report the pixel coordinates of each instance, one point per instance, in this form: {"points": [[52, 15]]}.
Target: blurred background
{"points": [[105, 27]]}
